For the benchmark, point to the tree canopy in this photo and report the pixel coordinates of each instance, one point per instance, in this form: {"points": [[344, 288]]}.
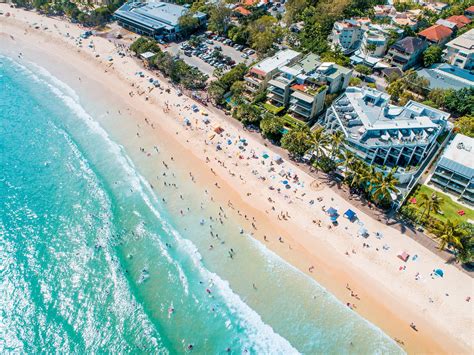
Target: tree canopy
{"points": [[432, 55]]}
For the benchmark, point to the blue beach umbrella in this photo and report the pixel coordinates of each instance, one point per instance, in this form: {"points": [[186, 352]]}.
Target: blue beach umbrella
{"points": [[439, 272]]}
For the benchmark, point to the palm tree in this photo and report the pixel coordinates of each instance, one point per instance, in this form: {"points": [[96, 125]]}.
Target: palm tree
{"points": [[431, 203], [367, 174], [348, 160], [450, 234], [384, 186], [319, 142], [336, 139]]}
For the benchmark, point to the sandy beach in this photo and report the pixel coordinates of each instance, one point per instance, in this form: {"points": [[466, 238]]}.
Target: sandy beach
{"points": [[364, 273]]}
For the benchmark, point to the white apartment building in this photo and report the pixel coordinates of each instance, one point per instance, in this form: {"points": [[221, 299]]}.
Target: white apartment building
{"points": [[385, 135], [259, 75], [460, 51], [347, 34]]}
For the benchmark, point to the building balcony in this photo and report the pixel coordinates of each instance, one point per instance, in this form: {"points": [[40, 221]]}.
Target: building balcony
{"points": [[276, 98], [303, 104], [300, 111], [252, 80]]}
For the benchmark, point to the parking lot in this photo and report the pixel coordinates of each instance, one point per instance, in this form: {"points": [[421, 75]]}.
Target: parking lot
{"points": [[211, 53]]}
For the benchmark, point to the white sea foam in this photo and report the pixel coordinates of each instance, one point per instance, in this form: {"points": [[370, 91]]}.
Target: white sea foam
{"points": [[262, 338]]}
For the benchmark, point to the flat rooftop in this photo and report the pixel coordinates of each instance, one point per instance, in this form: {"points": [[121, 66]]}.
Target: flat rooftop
{"points": [[461, 151], [368, 116], [280, 59], [464, 42], [155, 14], [447, 76]]}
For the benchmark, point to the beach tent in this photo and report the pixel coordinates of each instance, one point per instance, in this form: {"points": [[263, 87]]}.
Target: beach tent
{"points": [[439, 272], [331, 211], [350, 215], [403, 256], [218, 130]]}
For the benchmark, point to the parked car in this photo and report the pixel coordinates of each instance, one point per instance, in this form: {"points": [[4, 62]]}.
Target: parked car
{"points": [[218, 48], [244, 55], [188, 53]]}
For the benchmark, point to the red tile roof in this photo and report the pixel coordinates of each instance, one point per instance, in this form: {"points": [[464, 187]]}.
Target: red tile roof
{"points": [[249, 2], [436, 33], [242, 10], [470, 9], [459, 20]]}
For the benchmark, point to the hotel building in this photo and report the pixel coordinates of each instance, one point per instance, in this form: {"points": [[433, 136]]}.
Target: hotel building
{"points": [[385, 135]]}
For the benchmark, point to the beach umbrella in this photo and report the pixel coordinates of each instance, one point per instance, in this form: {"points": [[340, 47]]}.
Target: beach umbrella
{"points": [[439, 272]]}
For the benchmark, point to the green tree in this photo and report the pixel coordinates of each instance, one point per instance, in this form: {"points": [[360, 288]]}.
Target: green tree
{"points": [[353, 81], [219, 18], [247, 114], [336, 139], [363, 69], [239, 34], [216, 91], [297, 141], [263, 33], [384, 186], [432, 55], [430, 203], [449, 234], [465, 253], [237, 89], [319, 141], [271, 127], [188, 23], [465, 125], [347, 160], [460, 102], [293, 11]]}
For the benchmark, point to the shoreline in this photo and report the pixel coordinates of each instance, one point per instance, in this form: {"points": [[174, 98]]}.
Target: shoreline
{"points": [[332, 269]]}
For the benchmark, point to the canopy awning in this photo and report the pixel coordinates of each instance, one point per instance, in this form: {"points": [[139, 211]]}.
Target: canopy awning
{"points": [[350, 214]]}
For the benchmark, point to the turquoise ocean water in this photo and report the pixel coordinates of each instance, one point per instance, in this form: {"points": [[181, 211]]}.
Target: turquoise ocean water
{"points": [[93, 261]]}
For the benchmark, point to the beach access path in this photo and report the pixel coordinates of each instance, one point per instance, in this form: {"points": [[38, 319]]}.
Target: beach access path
{"points": [[290, 221]]}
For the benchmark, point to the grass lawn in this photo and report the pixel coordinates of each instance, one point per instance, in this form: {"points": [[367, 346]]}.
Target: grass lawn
{"points": [[292, 122], [272, 108], [449, 207]]}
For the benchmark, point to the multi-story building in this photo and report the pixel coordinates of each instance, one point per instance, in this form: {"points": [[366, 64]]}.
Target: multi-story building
{"points": [[460, 51], [154, 19], [454, 171], [385, 135], [259, 75], [374, 44], [406, 53], [347, 34], [302, 87], [437, 34]]}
